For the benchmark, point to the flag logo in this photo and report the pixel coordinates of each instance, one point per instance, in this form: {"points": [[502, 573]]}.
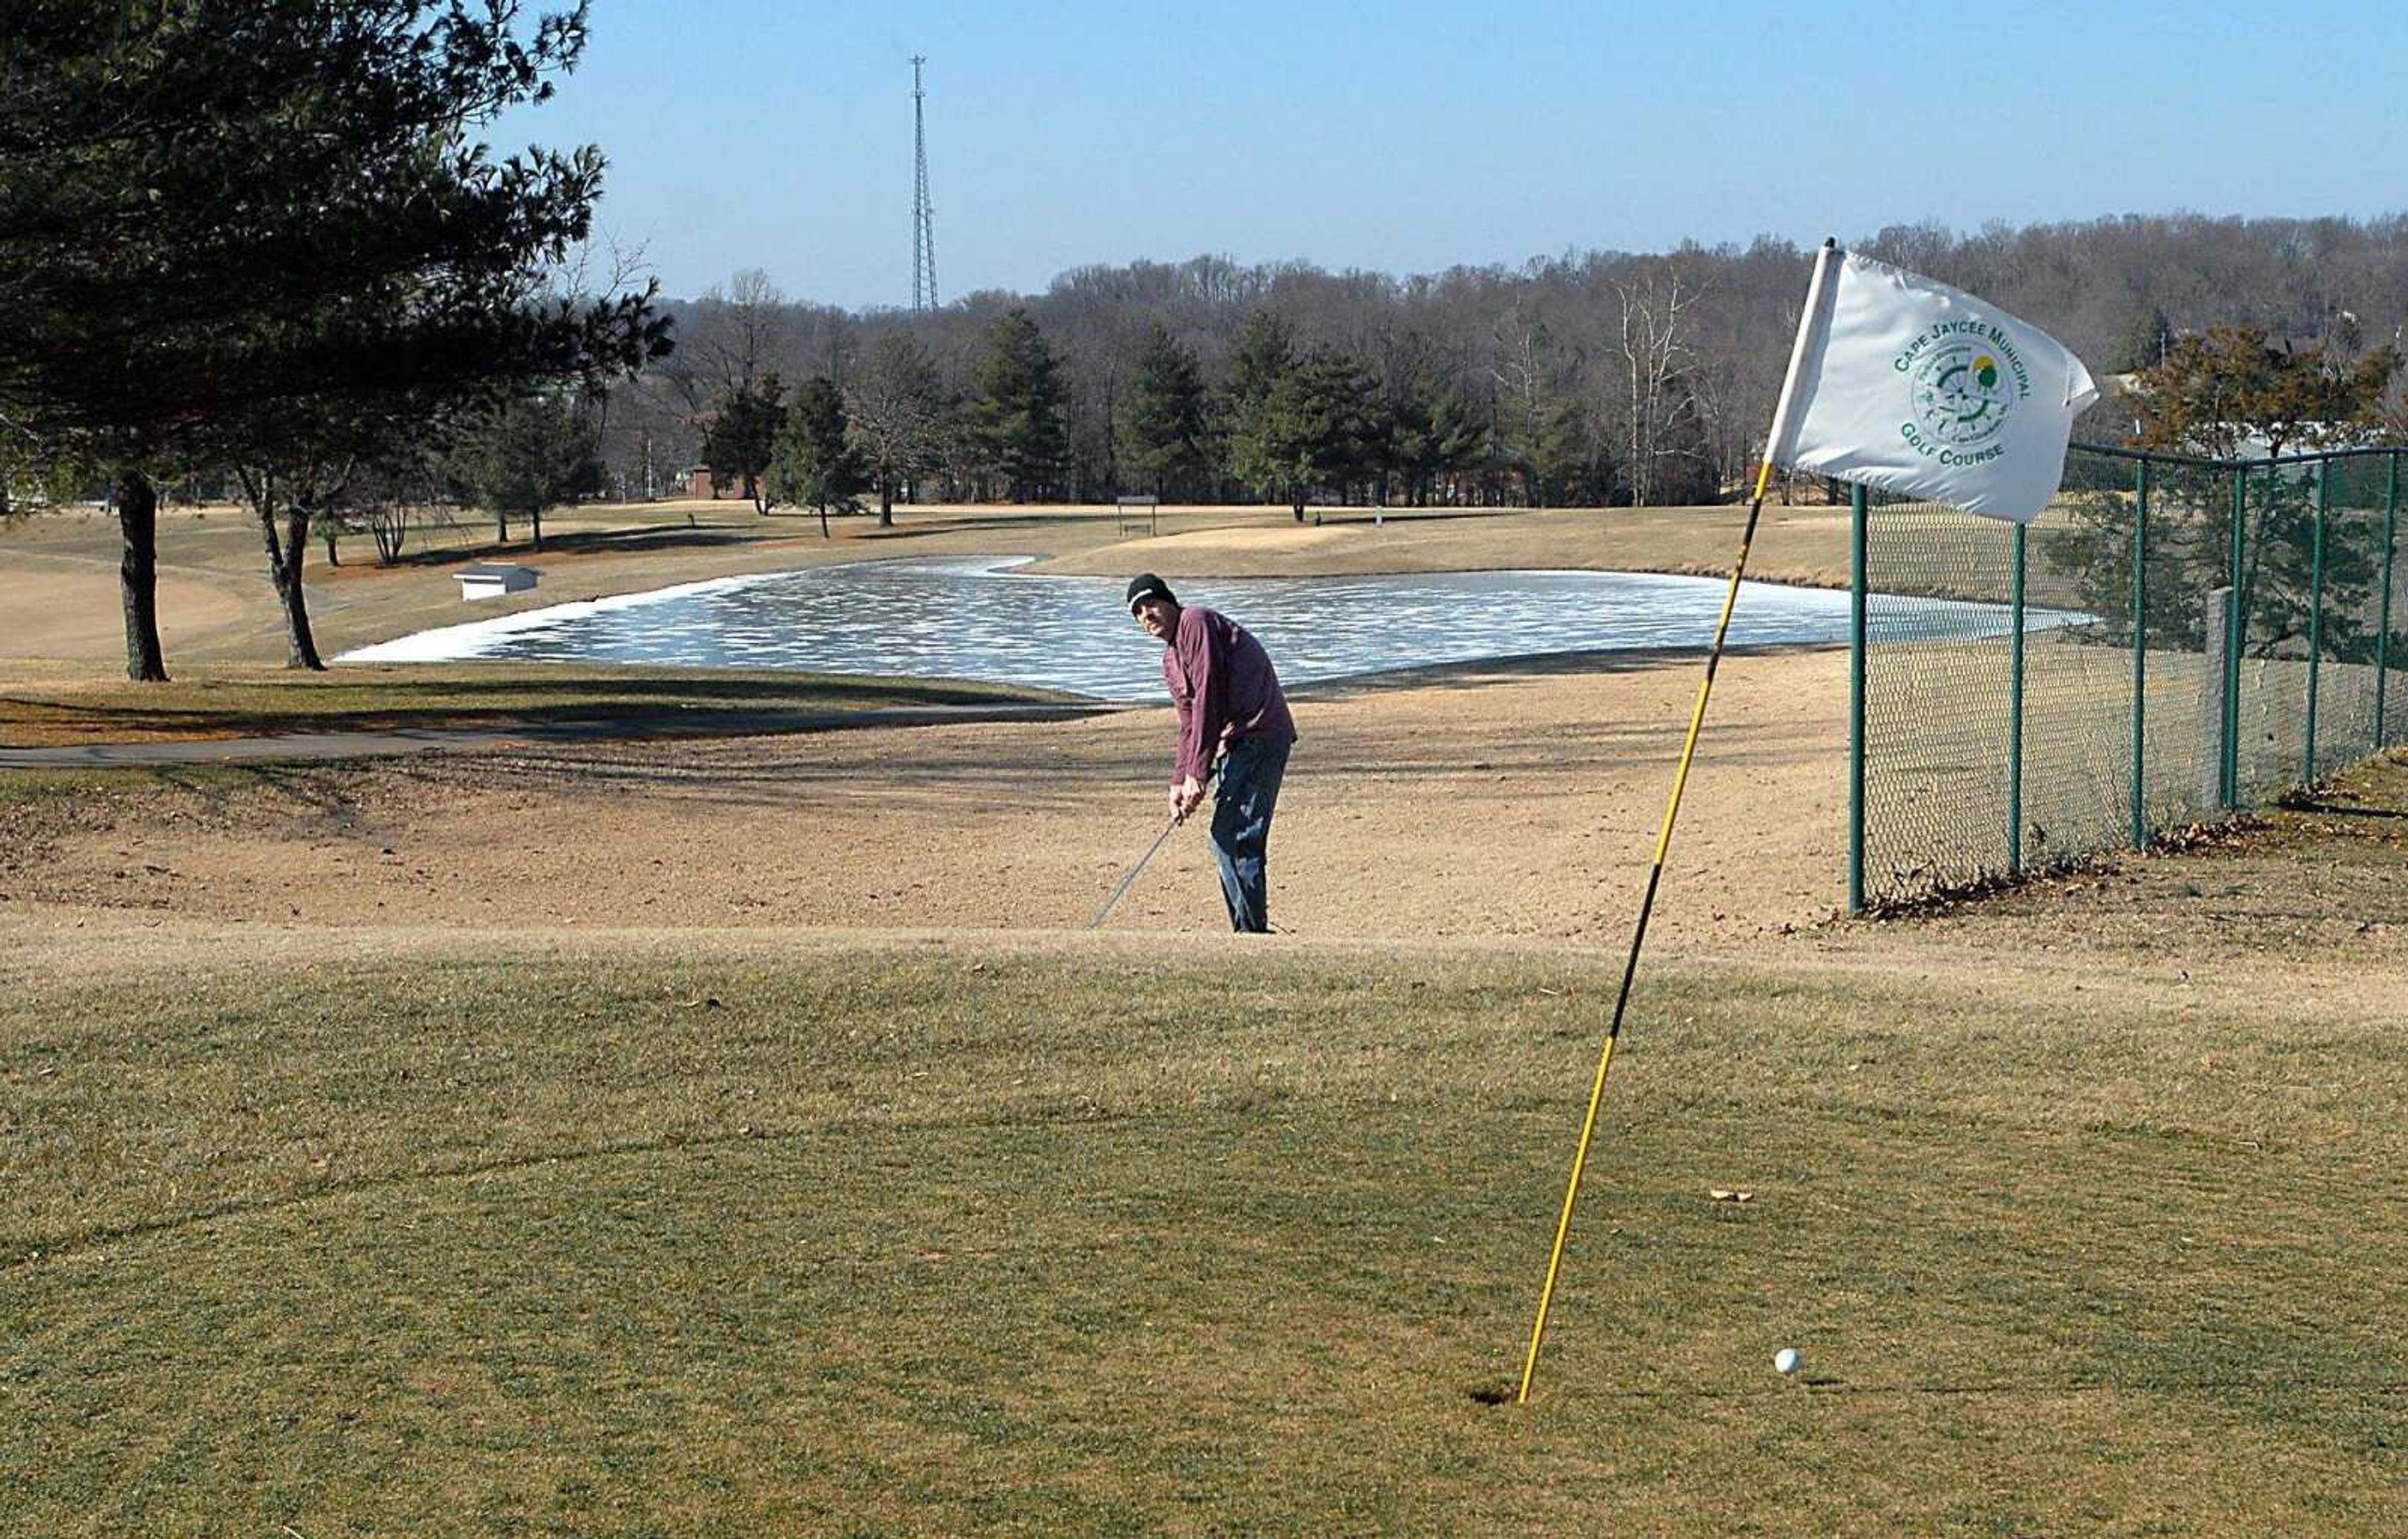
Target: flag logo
{"points": [[1961, 396]]}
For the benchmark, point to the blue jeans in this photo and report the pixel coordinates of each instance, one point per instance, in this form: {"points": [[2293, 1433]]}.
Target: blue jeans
{"points": [[1250, 770]]}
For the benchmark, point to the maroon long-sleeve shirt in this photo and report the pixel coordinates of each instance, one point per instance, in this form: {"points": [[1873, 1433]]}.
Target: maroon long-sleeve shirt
{"points": [[1223, 685]]}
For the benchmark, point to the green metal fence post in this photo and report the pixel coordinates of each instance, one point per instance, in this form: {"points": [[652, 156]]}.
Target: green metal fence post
{"points": [[2383, 627], [2235, 615], [1856, 700], [2315, 622], [2139, 652], [2015, 718]]}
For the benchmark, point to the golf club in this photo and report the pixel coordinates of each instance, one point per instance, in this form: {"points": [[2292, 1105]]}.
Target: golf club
{"points": [[1101, 914]]}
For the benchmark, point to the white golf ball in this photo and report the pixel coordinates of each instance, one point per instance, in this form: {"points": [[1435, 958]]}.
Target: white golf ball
{"points": [[1786, 1360]]}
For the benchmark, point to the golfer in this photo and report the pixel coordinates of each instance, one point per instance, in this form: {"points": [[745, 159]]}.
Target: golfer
{"points": [[1230, 703]]}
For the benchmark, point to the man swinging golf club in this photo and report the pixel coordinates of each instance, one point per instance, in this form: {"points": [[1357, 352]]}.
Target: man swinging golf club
{"points": [[1229, 702]]}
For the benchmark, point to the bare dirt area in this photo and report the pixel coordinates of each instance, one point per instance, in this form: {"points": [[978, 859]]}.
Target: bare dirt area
{"points": [[1510, 804], [1511, 801], [1516, 800]]}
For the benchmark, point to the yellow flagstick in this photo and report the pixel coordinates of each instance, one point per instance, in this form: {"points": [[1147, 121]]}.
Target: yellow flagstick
{"points": [[1806, 325]]}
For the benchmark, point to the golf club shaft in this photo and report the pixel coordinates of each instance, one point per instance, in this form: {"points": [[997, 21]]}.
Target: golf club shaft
{"points": [[1167, 830]]}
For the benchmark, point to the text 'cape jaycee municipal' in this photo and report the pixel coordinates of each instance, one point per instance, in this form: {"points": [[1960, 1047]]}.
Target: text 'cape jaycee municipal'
{"points": [[1922, 389]]}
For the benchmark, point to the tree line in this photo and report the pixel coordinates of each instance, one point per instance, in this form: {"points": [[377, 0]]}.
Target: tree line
{"points": [[1592, 379]]}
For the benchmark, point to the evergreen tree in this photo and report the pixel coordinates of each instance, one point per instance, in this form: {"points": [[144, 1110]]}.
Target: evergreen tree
{"points": [[1561, 456], [2232, 392], [1462, 439], [1264, 353], [1316, 430], [1429, 430], [742, 433], [527, 455], [32, 476], [1015, 412], [1547, 434], [814, 463], [1163, 416]]}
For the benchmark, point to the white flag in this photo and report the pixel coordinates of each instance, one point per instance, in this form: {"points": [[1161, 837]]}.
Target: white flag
{"points": [[1908, 385]]}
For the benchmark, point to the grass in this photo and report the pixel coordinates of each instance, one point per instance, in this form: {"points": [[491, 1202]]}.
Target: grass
{"points": [[917, 1241], [23, 787], [241, 703]]}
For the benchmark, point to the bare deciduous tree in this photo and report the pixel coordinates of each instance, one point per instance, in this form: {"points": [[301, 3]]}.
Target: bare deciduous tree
{"points": [[895, 412], [1656, 358]]}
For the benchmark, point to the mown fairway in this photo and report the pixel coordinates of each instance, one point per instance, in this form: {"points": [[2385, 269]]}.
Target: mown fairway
{"points": [[974, 1236]]}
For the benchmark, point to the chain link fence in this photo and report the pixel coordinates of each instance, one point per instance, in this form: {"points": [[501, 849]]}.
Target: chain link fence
{"points": [[2171, 641]]}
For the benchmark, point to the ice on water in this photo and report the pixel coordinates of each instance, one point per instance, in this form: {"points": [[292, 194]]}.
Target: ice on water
{"points": [[978, 617]]}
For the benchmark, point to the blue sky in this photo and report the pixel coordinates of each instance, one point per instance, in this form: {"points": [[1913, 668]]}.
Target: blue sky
{"points": [[1413, 136]]}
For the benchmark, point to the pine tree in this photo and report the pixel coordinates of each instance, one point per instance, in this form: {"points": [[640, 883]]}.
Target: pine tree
{"points": [[1015, 413], [2145, 341], [1462, 438], [742, 433], [528, 455], [1431, 431], [814, 463], [1316, 429], [1263, 354], [1563, 457], [2232, 393], [1162, 417]]}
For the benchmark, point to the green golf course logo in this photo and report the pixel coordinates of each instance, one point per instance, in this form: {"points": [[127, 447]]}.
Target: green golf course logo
{"points": [[1965, 379], [1962, 394]]}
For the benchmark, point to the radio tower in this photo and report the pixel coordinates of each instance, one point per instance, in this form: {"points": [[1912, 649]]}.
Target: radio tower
{"points": [[923, 218]]}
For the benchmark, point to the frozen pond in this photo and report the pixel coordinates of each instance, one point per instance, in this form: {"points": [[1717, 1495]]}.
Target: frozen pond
{"points": [[978, 619]]}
